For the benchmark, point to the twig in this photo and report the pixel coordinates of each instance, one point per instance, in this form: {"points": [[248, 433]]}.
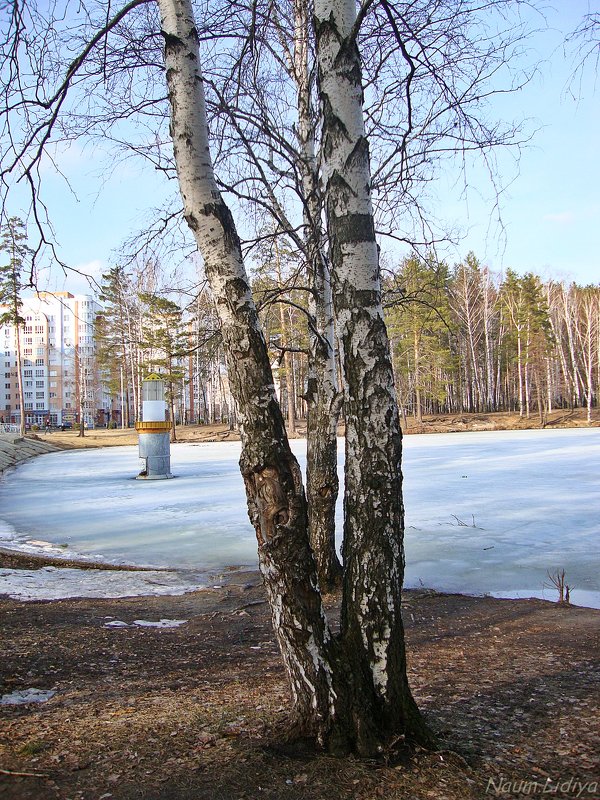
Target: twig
{"points": [[24, 774], [247, 605]]}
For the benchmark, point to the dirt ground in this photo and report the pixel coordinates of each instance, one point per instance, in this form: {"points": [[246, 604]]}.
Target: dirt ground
{"points": [[200, 711], [449, 423]]}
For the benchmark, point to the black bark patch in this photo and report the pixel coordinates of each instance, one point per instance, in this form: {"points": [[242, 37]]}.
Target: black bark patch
{"points": [[354, 228], [192, 222], [172, 42], [223, 214]]}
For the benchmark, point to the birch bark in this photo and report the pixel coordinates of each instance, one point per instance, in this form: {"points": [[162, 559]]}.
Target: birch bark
{"points": [[372, 631], [322, 483], [276, 502]]}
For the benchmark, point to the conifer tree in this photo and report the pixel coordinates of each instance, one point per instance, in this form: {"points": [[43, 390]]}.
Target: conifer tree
{"points": [[13, 243]]}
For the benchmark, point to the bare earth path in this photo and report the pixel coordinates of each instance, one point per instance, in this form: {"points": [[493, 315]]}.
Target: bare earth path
{"points": [[200, 711]]}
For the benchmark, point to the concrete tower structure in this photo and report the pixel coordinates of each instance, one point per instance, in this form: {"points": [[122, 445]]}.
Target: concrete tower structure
{"points": [[154, 431]]}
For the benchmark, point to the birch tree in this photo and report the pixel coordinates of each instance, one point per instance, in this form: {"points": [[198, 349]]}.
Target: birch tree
{"points": [[358, 697], [587, 334], [467, 304], [373, 551]]}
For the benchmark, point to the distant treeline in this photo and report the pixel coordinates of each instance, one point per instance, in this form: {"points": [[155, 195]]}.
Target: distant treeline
{"points": [[464, 339], [467, 339]]}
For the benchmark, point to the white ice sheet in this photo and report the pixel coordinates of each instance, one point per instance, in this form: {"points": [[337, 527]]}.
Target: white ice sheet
{"points": [[486, 512]]}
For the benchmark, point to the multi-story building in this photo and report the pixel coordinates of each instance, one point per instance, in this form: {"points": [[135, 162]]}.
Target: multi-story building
{"points": [[60, 377]]}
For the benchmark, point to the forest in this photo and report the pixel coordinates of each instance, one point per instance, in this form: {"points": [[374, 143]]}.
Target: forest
{"points": [[464, 339]]}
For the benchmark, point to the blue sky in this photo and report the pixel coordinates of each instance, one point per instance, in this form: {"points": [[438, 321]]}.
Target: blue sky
{"points": [[550, 213]]}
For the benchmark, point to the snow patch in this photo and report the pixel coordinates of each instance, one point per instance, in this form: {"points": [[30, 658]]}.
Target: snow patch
{"points": [[145, 623], [56, 583], [22, 696]]}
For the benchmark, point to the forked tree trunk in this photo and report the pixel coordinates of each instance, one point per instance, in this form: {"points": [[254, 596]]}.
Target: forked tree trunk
{"points": [[351, 694], [372, 630], [272, 477]]}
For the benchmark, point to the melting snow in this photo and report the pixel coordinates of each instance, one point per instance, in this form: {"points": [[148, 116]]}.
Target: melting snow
{"points": [[22, 696], [145, 623], [55, 583]]}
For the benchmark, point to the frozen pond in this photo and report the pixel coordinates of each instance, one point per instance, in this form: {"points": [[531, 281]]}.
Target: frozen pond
{"points": [[485, 512]]}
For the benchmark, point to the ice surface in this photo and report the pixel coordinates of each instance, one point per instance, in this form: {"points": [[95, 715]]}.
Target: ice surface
{"points": [[488, 512]]}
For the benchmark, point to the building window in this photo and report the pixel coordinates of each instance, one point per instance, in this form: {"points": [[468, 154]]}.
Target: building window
{"points": [[28, 373], [40, 405], [7, 385], [28, 406], [39, 384], [40, 395], [28, 394], [52, 395], [39, 362]]}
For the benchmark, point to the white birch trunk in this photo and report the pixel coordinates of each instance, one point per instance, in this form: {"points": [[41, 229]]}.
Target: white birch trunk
{"points": [[271, 474], [373, 551], [322, 394]]}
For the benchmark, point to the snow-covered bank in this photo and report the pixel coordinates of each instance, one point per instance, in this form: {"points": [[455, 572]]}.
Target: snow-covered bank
{"points": [[57, 583], [485, 512]]}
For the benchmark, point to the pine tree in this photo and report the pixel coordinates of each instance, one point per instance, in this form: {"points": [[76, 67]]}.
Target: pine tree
{"points": [[14, 243], [116, 340], [166, 344], [419, 319]]}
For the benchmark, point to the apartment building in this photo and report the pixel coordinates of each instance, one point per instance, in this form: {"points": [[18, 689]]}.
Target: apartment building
{"points": [[59, 372]]}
